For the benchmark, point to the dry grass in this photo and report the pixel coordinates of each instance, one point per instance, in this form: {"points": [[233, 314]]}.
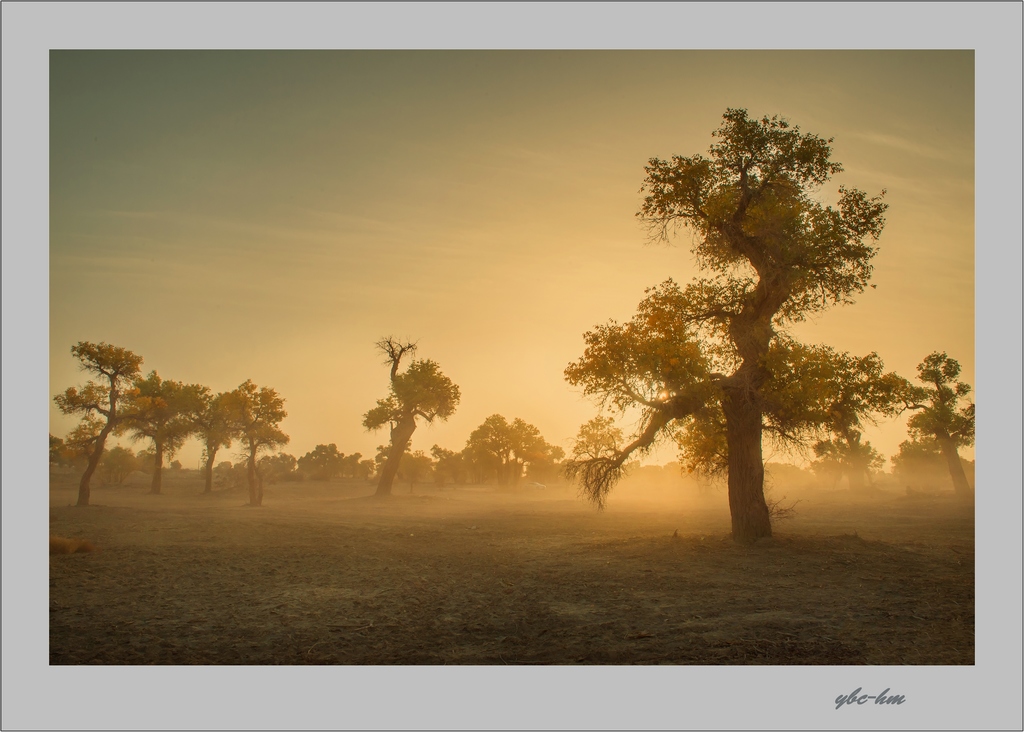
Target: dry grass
{"points": [[324, 574]]}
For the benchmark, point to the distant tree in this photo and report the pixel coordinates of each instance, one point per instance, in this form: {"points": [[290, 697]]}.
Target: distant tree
{"points": [[117, 464], [99, 402], [350, 465], [854, 391], [945, 414], [421, 391], [160, 413], [507, 448], [211, 418], [176, 465], [775, 255], [449, 466], [597, 438], [323, 462], [256, 413], [366, 469], [415, 468], [278, 468], [919, 463]]}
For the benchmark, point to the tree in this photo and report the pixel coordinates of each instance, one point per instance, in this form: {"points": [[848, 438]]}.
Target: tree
{"points": [[350, 465], [504, 449], [160, 413], [421, 391], [210, 415], [99, 402], [256, 413], [944, 413], [118, 463], [856, 390], [716, 351], [449, 465], [323, 462], [276, 468], [415, 467]]}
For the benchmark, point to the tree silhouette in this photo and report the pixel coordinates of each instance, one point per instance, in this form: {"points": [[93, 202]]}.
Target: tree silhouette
{"points": [[944, 414], [505, 449], [774, 255], [210, 417], [256, 413], [323, 462], [98, 402], [421, 391]]}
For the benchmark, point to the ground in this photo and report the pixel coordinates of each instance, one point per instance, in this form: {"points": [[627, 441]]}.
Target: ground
{"points": [[325, 574]]}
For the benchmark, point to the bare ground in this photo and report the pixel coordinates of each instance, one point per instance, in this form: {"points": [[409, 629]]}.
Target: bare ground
{"points": [[325, 574]]}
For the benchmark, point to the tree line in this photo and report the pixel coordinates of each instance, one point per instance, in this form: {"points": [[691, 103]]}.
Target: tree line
{"points": [[709, 366], [163, 413]]}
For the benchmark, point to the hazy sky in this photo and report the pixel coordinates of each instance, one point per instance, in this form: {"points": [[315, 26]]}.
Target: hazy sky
{"points": [[269, 215]]}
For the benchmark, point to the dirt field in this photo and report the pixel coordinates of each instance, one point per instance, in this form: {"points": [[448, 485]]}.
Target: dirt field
{"points": [[325, 574]]}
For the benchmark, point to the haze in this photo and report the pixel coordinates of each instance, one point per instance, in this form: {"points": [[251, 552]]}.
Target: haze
{"points": [[270, 215]]}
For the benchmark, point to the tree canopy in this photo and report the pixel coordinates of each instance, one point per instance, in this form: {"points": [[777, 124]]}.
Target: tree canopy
{"points": [[99, 401], [421, 391]]}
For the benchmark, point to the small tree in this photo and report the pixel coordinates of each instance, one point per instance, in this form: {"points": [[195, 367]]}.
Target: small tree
{"points": [[944, 414], [211, 418], [256, 414], [160, 414], [98, 403], [421, 391]]}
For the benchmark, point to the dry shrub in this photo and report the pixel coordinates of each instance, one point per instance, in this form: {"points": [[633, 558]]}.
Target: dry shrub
{"points": [[61, 545]]}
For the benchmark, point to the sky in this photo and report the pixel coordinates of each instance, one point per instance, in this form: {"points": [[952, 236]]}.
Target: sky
{"points": [[269, 215]]}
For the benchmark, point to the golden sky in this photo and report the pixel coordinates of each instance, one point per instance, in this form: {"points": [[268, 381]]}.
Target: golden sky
{"points": [[269, 215]]}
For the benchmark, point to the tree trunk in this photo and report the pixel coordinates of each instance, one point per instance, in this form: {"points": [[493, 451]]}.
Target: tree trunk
{"points": [[208, 470], [250, 474], [956, 468], [750, 518], [400, 437], [90, 468], [259, 488], [158, 466]]}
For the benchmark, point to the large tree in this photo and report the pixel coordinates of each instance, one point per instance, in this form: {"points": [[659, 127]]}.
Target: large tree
{"points": [[773, 254], [421, 391], [160, 413], [944, 413], [211, 418], [99, 403], [256, 413]]}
